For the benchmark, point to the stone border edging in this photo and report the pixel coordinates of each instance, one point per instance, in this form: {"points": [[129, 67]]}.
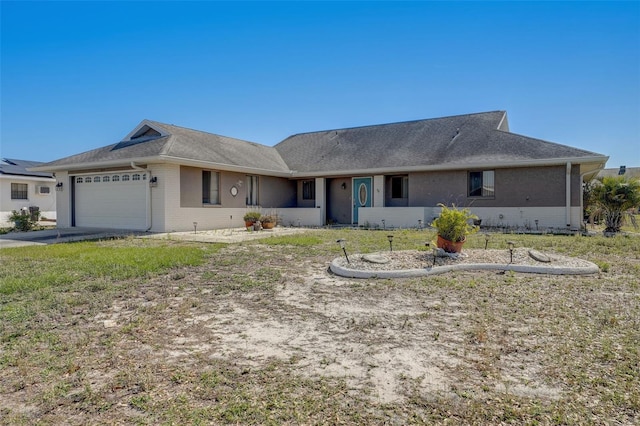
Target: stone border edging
{"points": [[423, 272]]}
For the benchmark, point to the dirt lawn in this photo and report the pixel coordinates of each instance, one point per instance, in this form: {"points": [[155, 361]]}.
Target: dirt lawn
{"points": [[261, 326]]}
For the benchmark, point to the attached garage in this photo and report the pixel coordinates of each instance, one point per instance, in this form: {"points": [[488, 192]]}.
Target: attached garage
{"points": [[111, 200]]}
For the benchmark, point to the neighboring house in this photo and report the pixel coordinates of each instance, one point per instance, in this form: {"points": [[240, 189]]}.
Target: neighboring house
{"points": [[22, 189], [629, 172], [164, 178]]}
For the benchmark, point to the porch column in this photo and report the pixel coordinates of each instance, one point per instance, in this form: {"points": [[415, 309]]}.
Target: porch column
{"points": [[378, 191], [321, 199]]}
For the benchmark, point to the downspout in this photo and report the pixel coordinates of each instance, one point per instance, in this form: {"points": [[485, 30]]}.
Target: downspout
{"points": [[568, 195], [135, 167]]}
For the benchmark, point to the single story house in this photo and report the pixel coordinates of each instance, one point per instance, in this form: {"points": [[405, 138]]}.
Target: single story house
{"points": [[21, 189], [164, 178]]}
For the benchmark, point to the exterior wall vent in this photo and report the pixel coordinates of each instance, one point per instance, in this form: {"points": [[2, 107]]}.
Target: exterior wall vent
{"points": [[43, 190]]}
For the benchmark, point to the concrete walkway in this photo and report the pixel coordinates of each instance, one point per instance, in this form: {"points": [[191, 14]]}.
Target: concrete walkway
{"points": [[53, 236], [232, 235], [60, 235]]}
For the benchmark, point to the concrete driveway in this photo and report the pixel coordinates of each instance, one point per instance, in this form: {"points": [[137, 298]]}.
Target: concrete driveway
{"points": [[53, 236]]}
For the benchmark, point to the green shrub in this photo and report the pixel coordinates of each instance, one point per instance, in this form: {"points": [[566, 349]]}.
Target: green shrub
{"points": [[24, 220]]}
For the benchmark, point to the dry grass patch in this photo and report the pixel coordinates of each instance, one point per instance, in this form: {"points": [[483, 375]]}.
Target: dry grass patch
{"points": [[261, 333]]}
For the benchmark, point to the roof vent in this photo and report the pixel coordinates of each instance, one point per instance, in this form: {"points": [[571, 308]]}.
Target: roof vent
{"points": [[622, 170]]}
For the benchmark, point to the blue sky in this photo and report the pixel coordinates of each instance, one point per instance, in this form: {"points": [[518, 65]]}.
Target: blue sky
{"points": [[80, 75]]}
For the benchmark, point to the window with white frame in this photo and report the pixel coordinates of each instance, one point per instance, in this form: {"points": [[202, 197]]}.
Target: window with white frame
{"points": [[308, 190], [252, 190], [481, 183], [210, 187], [19, 191], [400, 187]]}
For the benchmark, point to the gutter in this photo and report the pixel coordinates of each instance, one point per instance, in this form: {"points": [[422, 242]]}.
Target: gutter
{"points": [[163, 159], [568, 194], [453, 166], [29, 178], [148, 200]]}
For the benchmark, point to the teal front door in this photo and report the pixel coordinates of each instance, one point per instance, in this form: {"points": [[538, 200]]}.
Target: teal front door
{"points": [[361, 195]]}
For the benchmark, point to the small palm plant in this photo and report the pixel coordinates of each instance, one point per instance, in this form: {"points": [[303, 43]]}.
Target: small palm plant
{"points": [[453, 225], [614, 199]]}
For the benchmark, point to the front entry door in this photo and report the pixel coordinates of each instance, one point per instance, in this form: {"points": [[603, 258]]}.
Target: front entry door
{"points": [[361, 195]]}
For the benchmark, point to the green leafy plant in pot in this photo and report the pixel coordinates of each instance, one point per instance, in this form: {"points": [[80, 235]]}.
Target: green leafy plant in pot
{"points": [[452, 226], [250, 218]]}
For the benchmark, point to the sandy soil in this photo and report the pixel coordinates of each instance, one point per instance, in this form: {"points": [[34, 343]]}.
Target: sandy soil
{"points": [[383, 340]]}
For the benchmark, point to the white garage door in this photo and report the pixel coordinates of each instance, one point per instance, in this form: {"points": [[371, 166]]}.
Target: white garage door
{"points": [[111, 200]]}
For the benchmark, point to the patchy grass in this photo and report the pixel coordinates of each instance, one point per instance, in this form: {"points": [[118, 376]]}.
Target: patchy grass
{"points": [[140, 331]]}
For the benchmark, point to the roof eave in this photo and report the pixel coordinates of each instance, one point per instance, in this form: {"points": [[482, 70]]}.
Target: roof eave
{"points": [[225, 167], [162, 159], [28, 177], [94, 164], [597, 161]]}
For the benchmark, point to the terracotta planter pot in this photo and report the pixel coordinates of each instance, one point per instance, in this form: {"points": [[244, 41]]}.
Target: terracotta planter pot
{"points": [[450, 246], [248, 223], [268, 225]]}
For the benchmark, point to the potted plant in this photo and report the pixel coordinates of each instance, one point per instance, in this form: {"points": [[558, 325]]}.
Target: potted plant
{"points": [[250, 218], [452, 226], [268, 222]]}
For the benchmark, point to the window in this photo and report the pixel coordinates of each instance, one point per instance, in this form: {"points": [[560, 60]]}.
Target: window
{"points": [[87, 180], [106, 179], [252, 190], [44, 190], [78, 180], [115, 178], [399, 187], [96, 179], [19, 191], [125, 178], [481, 184], [210, 187], [308, 190], [135, 176]]}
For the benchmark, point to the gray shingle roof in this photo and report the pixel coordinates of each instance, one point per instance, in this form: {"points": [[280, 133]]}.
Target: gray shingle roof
{"points": [[450, 142], [193, 144], [455, 141], [185, 144], [9, 166]]}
